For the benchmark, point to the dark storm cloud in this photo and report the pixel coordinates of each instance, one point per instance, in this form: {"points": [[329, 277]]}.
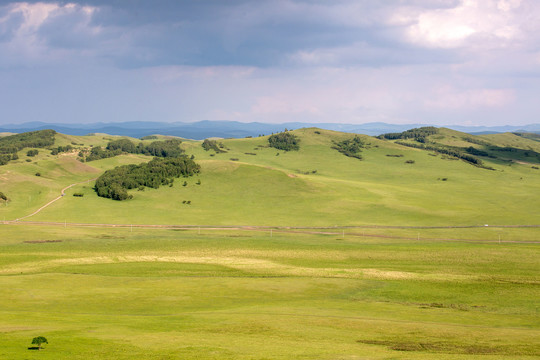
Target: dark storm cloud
{"points": [[270, 60], [249, 33]]}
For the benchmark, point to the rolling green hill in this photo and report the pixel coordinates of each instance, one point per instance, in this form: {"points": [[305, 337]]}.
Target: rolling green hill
{"points": [[290, 254], [251, 183]]}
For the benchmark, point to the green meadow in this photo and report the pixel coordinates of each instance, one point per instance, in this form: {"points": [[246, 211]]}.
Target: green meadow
{"points": [[208, 294], [303, 254], [315, 186]]}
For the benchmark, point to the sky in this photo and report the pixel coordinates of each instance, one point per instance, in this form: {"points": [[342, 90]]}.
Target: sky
{"points": [[440, 62]]}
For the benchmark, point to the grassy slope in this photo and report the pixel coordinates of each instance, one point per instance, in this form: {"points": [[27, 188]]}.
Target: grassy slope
{"points": [[271, 189], [162, 294], [28, 192]]}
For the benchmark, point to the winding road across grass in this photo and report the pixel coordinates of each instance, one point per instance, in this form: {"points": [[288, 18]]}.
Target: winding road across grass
{"points": [[62, 194]]}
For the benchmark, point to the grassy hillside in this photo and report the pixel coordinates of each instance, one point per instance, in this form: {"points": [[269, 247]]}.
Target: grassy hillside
{"points": [[354, 288], [254, 184]]}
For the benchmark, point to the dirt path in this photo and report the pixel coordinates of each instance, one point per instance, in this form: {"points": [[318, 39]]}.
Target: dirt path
{"points": [[62, 194]]}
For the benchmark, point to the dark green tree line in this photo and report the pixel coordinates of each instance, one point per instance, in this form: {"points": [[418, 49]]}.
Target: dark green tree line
{"points": [[419, 134], [160, 148], [114, 183], [10, 145]]}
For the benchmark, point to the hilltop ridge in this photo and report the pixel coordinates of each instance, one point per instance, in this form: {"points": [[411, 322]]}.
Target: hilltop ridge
{"points": [[427, 181], [200, 130]]}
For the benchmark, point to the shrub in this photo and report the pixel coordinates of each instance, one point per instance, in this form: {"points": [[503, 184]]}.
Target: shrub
{"points": [[213, 145], [4, 159], [38, 174], [409, 162], [284, 141], [78, 194], [350, 147], [32, 152]]}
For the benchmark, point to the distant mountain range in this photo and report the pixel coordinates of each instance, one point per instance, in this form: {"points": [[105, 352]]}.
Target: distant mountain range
{"points": [[233, 129]]}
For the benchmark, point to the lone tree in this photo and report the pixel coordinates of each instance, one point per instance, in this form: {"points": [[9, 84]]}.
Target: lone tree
{"points": [[38, 341]]}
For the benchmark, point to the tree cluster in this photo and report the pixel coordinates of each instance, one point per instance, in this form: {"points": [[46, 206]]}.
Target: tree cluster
{"points": [[61, 149], [350, 147], [114, 183], [451, 151], [10, 145], [474, 151], [160, 148], [98, 153], [213, 145], [124, 145], [284, 141], [164, 148], [419, 134]]}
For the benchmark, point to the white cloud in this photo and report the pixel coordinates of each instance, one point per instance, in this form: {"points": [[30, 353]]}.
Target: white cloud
{"points": [[478, 23], [27, 43], [508, 5]]}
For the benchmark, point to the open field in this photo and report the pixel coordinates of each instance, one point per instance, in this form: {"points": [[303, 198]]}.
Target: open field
{"points": [[309, 254], [227, 294]]}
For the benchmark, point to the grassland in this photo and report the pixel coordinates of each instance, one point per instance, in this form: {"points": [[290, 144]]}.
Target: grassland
{"points": [[315, 186], [165, 294], [358, 287]]}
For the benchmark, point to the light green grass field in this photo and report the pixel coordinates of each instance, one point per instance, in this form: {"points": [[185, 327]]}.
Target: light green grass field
{"points": [[357, 288], [165, 294]]}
